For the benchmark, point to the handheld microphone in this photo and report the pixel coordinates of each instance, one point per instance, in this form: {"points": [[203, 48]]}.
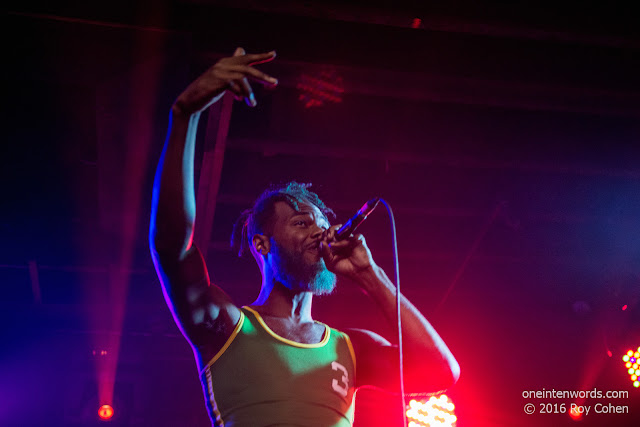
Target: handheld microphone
{"points": [[350, 226]]}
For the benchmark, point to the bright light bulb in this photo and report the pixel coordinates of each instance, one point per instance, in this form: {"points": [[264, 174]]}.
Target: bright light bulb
{"points": [[437, 411], [105, 412]]}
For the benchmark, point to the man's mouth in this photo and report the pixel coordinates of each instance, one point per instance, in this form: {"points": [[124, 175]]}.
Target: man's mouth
{"points": [[315, 248]]}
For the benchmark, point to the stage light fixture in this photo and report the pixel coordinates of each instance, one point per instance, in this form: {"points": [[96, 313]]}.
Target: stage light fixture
{"points": [[575, 414], [631, 362], [105, 412], [436, 411]]}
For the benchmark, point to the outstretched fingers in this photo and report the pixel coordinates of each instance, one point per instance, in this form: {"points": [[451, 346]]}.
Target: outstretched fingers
{"points": [[254, 74], [241, 64], [259, 58]]}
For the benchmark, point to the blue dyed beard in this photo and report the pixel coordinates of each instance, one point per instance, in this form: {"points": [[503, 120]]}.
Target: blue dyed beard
{"points": [[297, 274]]}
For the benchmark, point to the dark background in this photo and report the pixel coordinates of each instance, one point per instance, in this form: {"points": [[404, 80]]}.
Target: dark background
{"points": [[505, 136]]}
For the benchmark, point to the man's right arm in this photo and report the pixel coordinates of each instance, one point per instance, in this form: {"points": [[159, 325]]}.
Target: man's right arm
{"points": [[204, 313]]}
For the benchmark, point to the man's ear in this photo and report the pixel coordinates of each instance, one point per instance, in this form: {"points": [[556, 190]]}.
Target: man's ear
{"points": [[261, 244]]}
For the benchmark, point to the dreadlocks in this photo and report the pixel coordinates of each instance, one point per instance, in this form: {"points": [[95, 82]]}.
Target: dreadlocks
{"points": [[259, 219]]}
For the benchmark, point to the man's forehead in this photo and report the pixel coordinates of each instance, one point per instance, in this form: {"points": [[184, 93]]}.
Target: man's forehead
{"points": [[286, 211]]}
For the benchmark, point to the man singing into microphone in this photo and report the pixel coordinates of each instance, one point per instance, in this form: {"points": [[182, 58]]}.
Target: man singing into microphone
{"points": [[270, 363]]}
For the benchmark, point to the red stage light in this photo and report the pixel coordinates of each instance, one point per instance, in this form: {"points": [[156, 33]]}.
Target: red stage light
{"points": [[316, 90], [105, 412], [575, 415], [624, 307], [437, 411]]}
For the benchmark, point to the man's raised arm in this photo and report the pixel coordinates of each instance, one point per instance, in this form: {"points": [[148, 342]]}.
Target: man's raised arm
{"points": [[198, 307]]}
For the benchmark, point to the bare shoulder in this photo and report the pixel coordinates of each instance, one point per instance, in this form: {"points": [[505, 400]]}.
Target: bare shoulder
{"points": [[365, 337]]}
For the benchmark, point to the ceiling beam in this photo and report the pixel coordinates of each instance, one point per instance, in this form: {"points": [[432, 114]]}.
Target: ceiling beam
{"points": [[425, 16], [274, 147]]}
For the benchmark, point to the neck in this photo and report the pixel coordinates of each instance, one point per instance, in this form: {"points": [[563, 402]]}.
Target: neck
{"points": [[278, 300]]}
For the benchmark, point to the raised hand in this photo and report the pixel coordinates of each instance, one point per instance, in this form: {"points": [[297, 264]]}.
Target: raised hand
{"points": [[232, 73], [350, 257]]}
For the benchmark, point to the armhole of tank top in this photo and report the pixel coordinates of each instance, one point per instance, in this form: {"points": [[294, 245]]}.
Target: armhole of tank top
{"points": [[226, 344], [351, 351]]}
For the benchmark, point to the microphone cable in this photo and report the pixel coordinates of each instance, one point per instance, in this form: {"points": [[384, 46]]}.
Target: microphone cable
{"points": [[397, 280]]}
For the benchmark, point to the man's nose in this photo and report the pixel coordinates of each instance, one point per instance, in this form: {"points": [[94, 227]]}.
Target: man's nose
{"points": [[317, 232]]}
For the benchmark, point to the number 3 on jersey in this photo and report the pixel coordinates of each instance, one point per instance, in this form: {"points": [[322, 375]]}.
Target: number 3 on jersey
{"points": [[341, 387]]}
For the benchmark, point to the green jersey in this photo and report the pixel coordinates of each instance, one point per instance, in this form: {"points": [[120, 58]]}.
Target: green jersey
{"points": [[259, 379]]}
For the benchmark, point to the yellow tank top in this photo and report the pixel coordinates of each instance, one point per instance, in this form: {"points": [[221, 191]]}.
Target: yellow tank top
{"points": [[260, 379]]}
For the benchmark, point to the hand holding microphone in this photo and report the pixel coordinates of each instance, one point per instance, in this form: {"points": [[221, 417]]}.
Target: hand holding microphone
{"points": [[347, 256]]}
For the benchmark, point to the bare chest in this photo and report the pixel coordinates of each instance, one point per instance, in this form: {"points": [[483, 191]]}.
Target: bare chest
{"points": [[306, 333]]}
